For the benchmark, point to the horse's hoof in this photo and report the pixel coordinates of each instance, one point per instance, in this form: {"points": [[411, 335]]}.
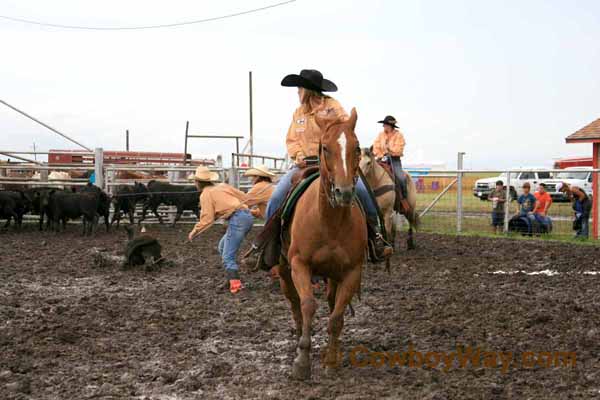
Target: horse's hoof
{"points": [[301, 371]]}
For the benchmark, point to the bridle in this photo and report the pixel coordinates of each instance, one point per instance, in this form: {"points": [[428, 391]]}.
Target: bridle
{"points": [[327, 181]]}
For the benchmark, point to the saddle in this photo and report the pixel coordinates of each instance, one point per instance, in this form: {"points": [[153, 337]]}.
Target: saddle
{"points": [[276, 228], [268, 239], [399, 205]]}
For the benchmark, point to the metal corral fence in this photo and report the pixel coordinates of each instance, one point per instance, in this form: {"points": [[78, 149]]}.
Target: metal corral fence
{"points": [[107, 177], [448, 201], [457, 201]]}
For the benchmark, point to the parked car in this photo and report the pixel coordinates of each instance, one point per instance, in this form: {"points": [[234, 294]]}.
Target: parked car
{"points": [[577, 176], [483, 187], [534, 176]]}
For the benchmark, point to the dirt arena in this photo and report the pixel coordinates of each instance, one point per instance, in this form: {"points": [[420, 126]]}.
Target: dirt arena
{"points": [[71, 329]]}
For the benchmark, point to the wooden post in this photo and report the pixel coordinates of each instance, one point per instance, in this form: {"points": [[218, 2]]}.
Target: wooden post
{"points": [[99, 167], [595, 187]]}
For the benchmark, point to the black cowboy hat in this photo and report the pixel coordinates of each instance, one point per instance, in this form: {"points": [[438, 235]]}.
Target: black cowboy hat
{"points": [[309, 79], [389, 120]]}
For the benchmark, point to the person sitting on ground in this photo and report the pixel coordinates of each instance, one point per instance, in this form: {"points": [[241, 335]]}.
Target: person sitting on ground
{"points": [[389, 147], [525, 207], [543, 201], [582, 206], [223, 201], [498, 198]]}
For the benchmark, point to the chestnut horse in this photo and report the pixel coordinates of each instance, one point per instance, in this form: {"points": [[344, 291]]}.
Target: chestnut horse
{"points": [[327, 237], [377, 177]]}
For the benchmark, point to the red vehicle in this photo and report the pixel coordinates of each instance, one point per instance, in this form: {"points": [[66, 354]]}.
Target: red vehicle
{"points": [[573, 162]]}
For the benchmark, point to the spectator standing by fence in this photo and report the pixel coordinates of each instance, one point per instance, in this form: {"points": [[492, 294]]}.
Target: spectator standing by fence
{"points": [[498, 198], [582, 205], [543, 201]]}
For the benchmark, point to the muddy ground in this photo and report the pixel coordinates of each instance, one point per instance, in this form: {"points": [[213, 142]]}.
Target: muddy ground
{"points": [[70, 328]]}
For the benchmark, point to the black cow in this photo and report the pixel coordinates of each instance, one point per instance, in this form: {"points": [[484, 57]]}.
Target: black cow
{"points": [[103, 202], [65, 206], [182, 197], [13, 205], [89, 202], [126, 198], [39, 198]]}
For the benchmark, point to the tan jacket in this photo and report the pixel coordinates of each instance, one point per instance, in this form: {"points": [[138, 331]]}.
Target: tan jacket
{"points": [[218, 201], [304, 134], [259, 196], [392, 144]]}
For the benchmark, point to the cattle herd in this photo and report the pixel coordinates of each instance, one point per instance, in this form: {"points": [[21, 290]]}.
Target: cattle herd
{"points": [[88, 203]]}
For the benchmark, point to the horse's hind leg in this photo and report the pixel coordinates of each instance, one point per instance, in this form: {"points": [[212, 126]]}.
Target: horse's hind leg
{"points": [[344, 293], [308, 305], [289, 291], [411, 239]]}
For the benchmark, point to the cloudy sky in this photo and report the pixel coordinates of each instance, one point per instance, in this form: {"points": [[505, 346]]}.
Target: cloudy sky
{"points": [[503, 81]]}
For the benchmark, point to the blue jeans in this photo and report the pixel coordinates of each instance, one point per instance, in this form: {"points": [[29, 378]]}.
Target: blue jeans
{"points": [[285, 184], [584, 231], [544, 220], [239, 225], [531, 219]]}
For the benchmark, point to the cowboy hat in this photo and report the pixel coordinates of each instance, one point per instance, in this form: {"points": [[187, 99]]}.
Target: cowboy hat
{"points": [[389, 120], [260, 170], [203, 174], [309, 79]]}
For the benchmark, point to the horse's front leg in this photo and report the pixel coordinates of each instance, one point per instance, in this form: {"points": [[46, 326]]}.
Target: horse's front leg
{"points": [[289, 291], [308, 305], [331, 290], [344, 293]]}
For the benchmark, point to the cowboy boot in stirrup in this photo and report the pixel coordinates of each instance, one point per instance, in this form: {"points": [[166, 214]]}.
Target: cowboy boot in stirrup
{"points": [[379, 248]]}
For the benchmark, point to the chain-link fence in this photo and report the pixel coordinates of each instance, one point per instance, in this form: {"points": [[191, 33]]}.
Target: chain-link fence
{"points": [[464, 201]]}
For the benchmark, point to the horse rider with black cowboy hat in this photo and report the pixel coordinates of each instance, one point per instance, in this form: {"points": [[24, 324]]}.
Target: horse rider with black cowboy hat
{"points": [[302, 141], [389, 147]]}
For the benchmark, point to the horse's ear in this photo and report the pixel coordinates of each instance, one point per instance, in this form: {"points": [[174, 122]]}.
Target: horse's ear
{"points": [[322, 122], [353, 118]]}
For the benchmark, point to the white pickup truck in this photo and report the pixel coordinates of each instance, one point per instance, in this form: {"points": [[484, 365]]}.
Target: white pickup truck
{"points": [[534, 176], [576, 176]]}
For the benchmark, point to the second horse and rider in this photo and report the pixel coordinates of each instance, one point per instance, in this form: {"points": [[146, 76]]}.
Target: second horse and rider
{"points": [[303, 141]]}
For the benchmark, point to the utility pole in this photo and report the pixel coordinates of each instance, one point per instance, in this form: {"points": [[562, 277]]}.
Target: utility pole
{"points": [[187, 127], [127, 140], [251, 118], [34, 152]]}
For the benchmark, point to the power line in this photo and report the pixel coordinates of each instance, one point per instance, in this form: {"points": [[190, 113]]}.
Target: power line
{"points": [[124, 28]]}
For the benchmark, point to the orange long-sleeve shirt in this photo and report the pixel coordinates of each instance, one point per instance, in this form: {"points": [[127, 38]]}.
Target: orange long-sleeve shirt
{"points": [[304, 134], [389, 143], [218, 201], [259, 196]]}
